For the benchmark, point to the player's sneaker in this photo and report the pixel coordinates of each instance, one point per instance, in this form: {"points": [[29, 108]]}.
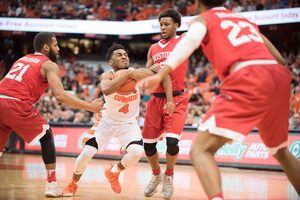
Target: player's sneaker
{"points": [[151, 188], [167, 188], [52, 189], [70, 189], [113, 178]]}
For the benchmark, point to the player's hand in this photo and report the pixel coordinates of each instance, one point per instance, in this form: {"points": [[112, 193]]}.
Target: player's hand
{"points": [[97, 105], [170, 107], [149, 84], [155, 68]]}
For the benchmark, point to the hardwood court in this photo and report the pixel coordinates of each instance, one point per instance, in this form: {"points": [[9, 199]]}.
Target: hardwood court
{"points": [[23, 177]]}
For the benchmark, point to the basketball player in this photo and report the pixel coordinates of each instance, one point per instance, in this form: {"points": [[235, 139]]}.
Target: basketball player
{"points": [[166, 109], [118, 119], [255, 91], [24, 84]]}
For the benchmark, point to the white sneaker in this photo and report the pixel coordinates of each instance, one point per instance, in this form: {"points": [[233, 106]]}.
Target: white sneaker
{"points": [[151, 188], [52, 189], [167, 189]]}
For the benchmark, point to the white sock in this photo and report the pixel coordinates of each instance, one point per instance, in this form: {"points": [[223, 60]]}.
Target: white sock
{"points": [[115, 168], [83, 159]]}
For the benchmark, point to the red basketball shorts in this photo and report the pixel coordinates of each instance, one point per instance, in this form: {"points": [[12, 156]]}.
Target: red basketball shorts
{"points": [[255, 96], [21, 117], [157, 121]]}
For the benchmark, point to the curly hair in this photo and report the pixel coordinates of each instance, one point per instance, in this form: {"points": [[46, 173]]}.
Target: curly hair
{"points": [[111, 50], [174, 14]]}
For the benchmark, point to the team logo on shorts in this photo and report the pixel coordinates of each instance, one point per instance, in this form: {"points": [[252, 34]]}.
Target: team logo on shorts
{"points": [[295, 149]]}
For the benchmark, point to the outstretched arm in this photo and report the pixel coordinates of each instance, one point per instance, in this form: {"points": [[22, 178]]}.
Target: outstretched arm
{"points": [[50, 71], [184, 48]]}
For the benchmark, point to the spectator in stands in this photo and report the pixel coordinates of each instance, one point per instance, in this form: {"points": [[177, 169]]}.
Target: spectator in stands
{"points": [[295, 121]]}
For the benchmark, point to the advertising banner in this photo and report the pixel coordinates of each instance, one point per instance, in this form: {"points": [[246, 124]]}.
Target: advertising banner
{"points": [[265, 17], [252, 151]]}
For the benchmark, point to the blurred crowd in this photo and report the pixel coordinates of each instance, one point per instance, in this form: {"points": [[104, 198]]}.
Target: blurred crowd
{"points": [[201, 83], [122, 10], [81, 79]]}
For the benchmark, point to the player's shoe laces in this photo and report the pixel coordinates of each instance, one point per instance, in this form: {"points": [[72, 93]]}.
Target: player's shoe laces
{"points": [[167, 188], [52, 189], [113, 178], [70, 190], [151, 188]]}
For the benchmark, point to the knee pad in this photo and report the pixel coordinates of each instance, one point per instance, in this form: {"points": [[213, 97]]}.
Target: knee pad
{"points": [[92, 142], [172, 146], [48, 148], [150, 149]]}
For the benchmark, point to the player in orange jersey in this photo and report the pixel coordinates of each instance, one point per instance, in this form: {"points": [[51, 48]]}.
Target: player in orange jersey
{"points": [[118, 119]]}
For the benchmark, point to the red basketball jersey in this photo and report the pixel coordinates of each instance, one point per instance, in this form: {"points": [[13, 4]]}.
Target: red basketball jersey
{"points": [[159, 52], [231, 38], [24, 80]]}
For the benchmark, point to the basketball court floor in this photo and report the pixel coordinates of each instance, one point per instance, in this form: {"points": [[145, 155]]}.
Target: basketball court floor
{"points": [[23, 177]]}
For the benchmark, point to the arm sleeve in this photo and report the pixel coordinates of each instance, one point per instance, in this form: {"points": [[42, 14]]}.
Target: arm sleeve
{"points": [[187, 45]]}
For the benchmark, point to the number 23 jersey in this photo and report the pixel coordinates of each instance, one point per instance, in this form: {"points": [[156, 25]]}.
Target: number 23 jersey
{"points": [[231, 38]]}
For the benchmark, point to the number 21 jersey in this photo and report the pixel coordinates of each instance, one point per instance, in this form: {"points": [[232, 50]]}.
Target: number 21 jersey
{"points": [[24, 80]]}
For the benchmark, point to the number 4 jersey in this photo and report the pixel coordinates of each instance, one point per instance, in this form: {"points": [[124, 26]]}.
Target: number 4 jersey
{"points": [[231, 38], [122, 108], [24, 80]]}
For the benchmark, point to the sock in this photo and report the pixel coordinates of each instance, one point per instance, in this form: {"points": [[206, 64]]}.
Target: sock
{"points": [[51, 175], [115, 168], [218, 196], [169, 172], [156, 171]]}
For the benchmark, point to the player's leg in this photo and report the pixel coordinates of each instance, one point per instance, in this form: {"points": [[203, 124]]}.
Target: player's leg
{"points": [[5, 129], [151, 134], [201, 154], [130, 139], [49, 158], [290, 165], [173, 124], [89, 150], [30, 125], [97, 141], [274, 127], [240, 106], [5, 133]]}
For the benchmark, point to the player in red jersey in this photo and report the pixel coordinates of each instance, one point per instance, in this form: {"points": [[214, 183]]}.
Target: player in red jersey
{"points": [[24, 84], [255, 91], [166, 109]]}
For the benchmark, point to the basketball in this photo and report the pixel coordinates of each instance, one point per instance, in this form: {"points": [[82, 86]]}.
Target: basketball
{"points": [[128, 87]]}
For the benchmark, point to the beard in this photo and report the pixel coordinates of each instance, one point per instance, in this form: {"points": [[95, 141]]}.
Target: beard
{"points": [[52, 55]]}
